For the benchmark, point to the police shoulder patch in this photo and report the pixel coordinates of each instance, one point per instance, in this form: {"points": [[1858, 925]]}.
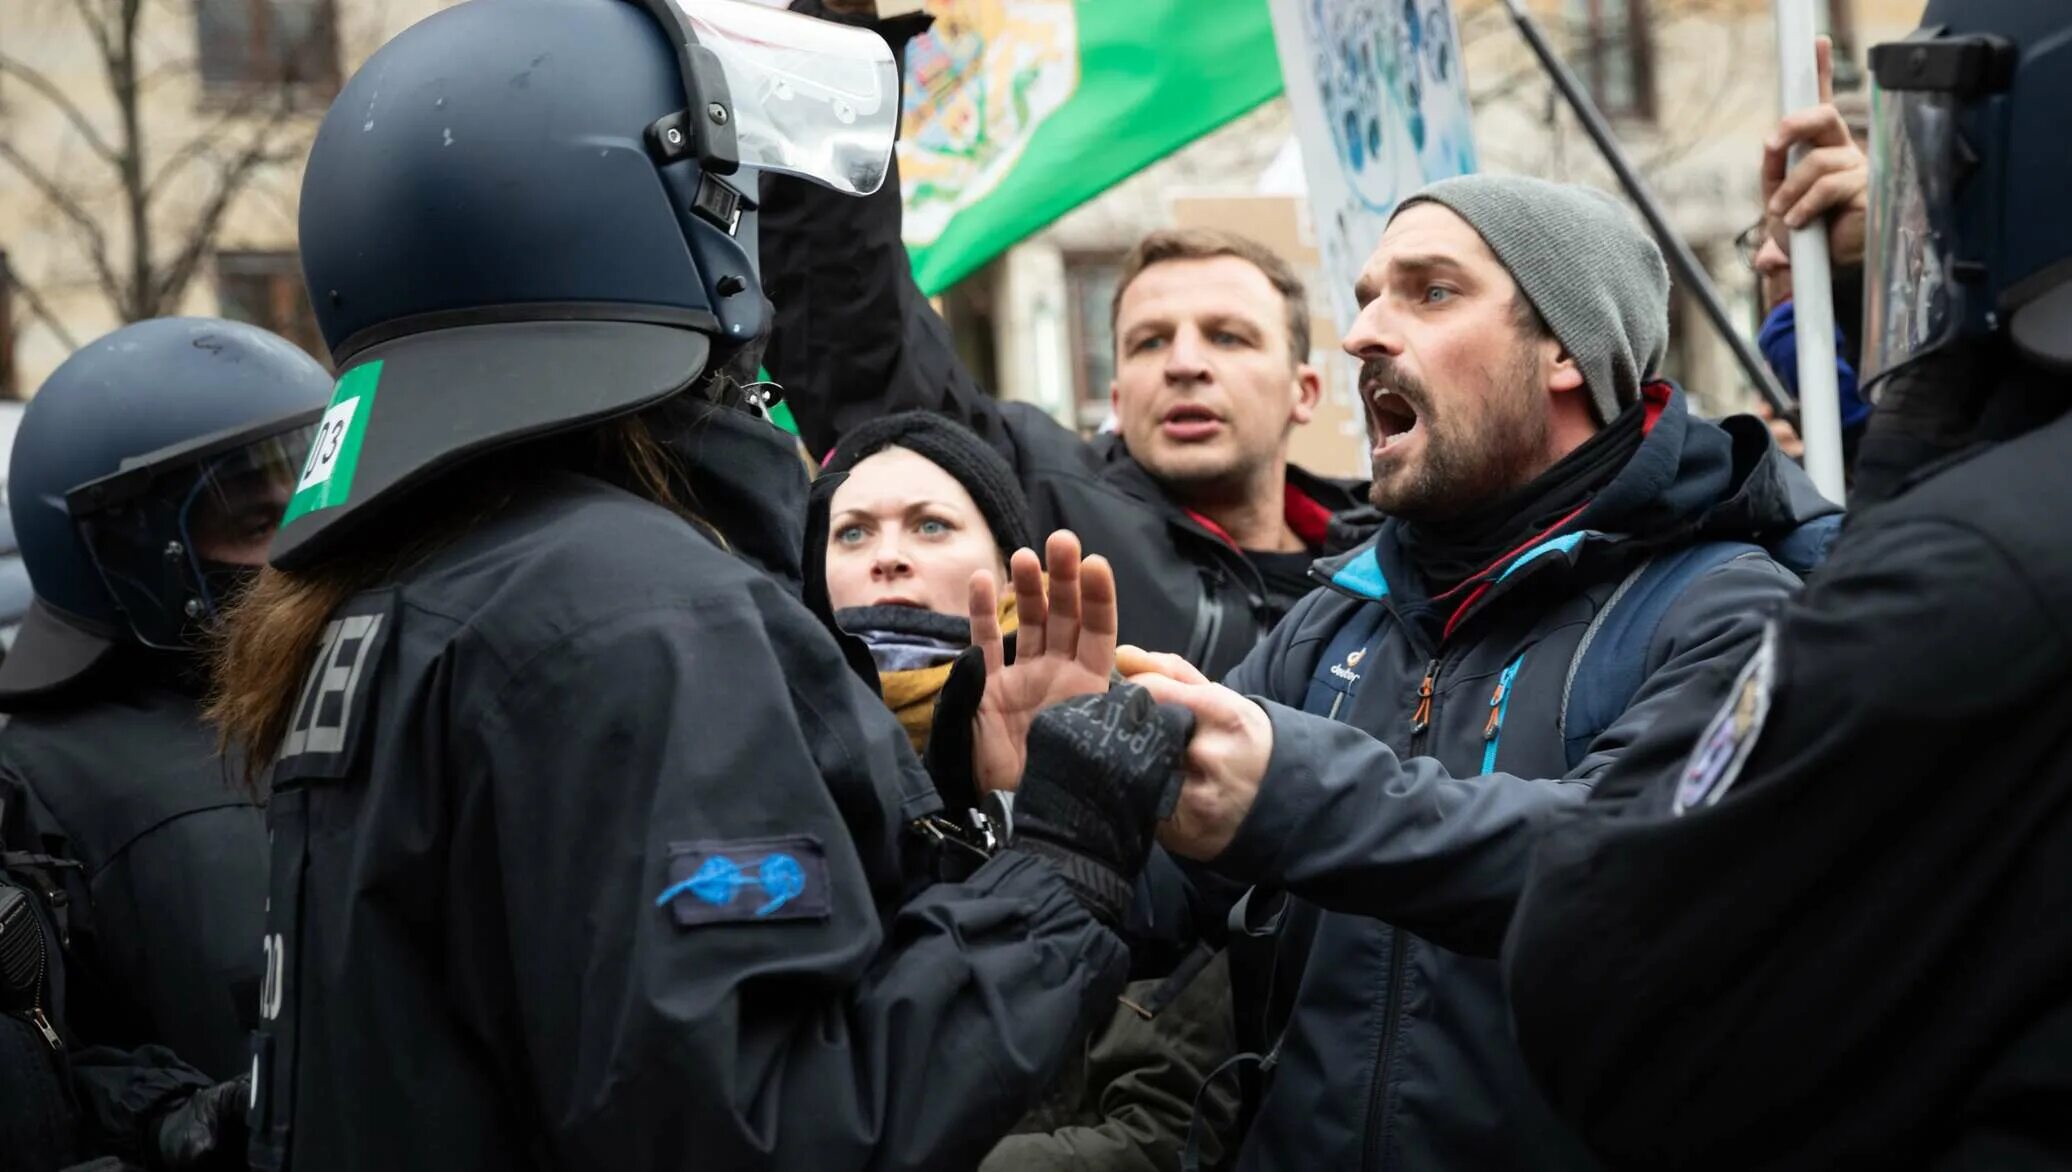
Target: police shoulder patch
{"points": [[325, 728], [1716, 763], [782, 878]]}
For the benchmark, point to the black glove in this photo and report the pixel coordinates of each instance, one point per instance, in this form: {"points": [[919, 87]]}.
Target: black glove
{"points": [[948, 756], [206, 1131], [1102, 771]]}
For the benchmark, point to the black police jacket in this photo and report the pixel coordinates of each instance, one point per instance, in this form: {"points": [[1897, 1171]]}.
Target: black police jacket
{"points": [[593, 851], [854, 339], [1851, 948], [163, 929], [61, 1102]]}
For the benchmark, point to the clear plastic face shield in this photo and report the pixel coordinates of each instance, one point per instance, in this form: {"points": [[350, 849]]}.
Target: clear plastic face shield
{"points": [[777, 91], [175, 533], [1916, 291], [1911, 305]]}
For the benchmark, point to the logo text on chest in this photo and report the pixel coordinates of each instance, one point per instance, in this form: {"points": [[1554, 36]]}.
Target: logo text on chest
{"points": [[324, 709]]}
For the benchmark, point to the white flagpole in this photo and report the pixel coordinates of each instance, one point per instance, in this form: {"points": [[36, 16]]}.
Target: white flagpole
{"points": [[1812, 282]]}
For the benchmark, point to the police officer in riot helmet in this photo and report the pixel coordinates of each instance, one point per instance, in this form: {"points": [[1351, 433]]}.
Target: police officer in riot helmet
{"points": [[592, 845], [147, 474], [1826, 922]]}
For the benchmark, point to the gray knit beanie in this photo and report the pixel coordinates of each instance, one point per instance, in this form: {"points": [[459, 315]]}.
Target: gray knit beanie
{"points": [[1583, 262]]}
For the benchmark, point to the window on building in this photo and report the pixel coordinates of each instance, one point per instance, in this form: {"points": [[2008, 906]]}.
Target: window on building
{"points": [[1090, 280], [967, 309], [247, 43], [9, 388], [1617, 55], [265, 289]]}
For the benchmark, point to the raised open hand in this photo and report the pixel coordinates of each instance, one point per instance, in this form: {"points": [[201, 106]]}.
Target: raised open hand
{"points": [[1065, 648]]}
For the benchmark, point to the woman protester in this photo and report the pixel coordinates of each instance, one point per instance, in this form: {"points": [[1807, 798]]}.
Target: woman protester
{"points": [[590, 848], [907, 510]]}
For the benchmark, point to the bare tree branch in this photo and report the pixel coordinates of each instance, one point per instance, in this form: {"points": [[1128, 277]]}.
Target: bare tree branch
{"points": [[282, 205], [68, 204], [204, 142], [41, 310], [98, 30], [35, 80], [201, 238], [167, 70]]}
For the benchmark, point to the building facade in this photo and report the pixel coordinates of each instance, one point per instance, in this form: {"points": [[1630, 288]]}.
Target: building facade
{"points": [[195, 124], [150, 162]]}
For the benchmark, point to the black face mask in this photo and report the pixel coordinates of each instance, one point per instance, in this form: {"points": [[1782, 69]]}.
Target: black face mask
{"points": [[226, 582], [146, 538]]}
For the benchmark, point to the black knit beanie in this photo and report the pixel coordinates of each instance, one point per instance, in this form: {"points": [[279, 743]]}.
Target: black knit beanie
{"points": [[969, 460]]}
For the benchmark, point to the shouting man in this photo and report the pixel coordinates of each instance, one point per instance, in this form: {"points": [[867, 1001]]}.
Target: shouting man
{"points": [[1570, 553]]}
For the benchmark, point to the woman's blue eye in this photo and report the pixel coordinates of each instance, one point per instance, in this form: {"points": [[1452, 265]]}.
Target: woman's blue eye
{"points": [[849, 535], [932, 527]]}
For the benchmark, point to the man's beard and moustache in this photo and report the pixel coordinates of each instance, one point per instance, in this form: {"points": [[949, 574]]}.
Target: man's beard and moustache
{"points": [[1465, 462], [1482, 487]]}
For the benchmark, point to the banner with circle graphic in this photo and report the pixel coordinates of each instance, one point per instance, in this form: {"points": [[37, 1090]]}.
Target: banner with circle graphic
{"points": [[1380, 104]]}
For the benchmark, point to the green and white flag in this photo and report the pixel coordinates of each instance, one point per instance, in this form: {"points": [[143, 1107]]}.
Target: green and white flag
{"points": [[1017, 111]]}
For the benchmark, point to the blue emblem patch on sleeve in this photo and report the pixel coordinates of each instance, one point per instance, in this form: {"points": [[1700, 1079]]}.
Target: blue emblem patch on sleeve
{"points": [[1731, 737], [746, 879]]}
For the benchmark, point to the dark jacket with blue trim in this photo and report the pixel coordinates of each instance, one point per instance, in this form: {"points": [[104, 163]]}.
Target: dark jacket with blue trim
{"points": [[592, 850], [1859, 957], [1389, 839]]}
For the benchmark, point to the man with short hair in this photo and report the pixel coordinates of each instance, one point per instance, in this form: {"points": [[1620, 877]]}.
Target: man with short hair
{"points": [[1210, 529], [1569, 555]]}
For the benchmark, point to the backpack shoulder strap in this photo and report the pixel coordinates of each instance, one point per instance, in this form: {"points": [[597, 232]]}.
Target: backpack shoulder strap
{"points": [[1611, 660]]}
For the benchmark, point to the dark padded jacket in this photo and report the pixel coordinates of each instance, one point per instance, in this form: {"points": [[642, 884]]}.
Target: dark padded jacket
{"points": [[1396, 827], [1861, 955], [164, 929], [854, 340], [591, 850], [61, 1102]]}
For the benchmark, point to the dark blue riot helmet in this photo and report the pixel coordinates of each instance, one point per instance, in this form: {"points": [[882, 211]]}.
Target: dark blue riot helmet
{"points": [[522, 217], [1969, 240], [146, 475]]}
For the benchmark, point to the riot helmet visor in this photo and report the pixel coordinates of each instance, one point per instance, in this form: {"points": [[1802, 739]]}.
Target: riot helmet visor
{"points": [[1911, 304], [778, 91], [174, 534]]}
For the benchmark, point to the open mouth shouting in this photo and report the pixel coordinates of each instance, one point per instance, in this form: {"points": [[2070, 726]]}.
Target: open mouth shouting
{"points": [[1189, 423], [1392, 419]]}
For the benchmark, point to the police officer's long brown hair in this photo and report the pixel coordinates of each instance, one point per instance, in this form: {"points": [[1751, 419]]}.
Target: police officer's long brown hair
{"points": [[268, 639]]}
